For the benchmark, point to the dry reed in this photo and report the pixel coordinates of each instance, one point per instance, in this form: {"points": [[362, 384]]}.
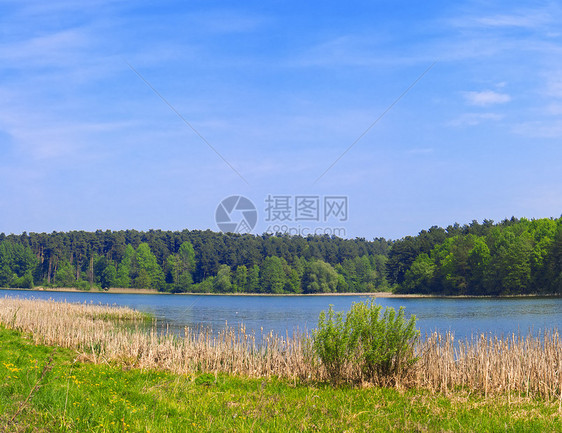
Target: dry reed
{"points": [[95, 331], [528, 366]]}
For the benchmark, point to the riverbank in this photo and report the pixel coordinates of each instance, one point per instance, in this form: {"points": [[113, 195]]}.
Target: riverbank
{"points": [[126, 290], [485, 364], [54, 389], [112, 290]]}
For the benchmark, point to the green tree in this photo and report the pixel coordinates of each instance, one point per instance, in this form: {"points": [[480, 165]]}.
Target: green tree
{"points": [[349, 272], [378, 264], [319, 277], [517, 265], [143, 279], [366, 276], [16, 261], [293, 282], [172, 272], [64, 276], [509, 270], [185, 282], [6, 262], [24, 282], [273, 276], [543, 232], [186, 254], [108, 276], [478, 260], [451, 258], [253, 284], [403, 254], [146, 261], [553, 263], [223, 281], [419, 277], [240, 279], [23, 260], [180, 268], [342, 286], [124, 269]]}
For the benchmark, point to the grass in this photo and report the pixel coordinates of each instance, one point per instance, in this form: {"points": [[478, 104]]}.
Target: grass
{"points": [[527, 366], [75, 396], [82, 367]]}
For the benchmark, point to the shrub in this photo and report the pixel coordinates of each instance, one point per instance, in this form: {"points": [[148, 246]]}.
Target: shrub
{"points": [[331, 342], [82, 285], [24, 282], [384, 342], [378, 346]]}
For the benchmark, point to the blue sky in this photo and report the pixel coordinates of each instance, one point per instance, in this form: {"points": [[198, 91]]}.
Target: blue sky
{"points": [[280, 90]]}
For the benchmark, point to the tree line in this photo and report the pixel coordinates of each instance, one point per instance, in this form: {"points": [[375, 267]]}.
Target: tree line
{"points": [[515, 256], [193, 261]]}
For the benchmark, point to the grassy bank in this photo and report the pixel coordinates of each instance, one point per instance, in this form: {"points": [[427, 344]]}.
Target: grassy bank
{"points": [[525, 365], [47, 389]]}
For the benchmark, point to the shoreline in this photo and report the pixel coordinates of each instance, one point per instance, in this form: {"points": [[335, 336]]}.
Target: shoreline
{"points": [[123, 290], [129, 291]]}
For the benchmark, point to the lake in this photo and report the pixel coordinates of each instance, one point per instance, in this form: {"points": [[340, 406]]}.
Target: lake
{"points": [[280, 314]]}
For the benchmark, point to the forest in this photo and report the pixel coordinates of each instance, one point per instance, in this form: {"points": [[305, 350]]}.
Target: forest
{"points": [[192, 261], [512, 257]]}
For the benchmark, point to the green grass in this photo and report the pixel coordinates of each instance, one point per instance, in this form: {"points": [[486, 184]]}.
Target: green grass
{"points": [[71, 396]]}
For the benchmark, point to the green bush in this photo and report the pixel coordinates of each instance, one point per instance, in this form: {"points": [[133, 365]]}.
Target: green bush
{"points": [[376, 346], [331, 342], [23, 282], [82, 285]]}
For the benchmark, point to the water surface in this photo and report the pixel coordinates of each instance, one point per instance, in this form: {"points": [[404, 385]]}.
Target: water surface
{"points": [[281, 314]]}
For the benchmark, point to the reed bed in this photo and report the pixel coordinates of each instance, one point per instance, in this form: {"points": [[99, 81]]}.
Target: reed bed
{"points": [[97, 333], [526, 365]]}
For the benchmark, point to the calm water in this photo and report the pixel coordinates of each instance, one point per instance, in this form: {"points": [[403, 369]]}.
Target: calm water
{"points": [[464, 317]]}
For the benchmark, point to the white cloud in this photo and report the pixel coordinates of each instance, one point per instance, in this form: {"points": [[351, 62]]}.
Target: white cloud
{"points": [[366, 50], [40, 138], [343, 50], [539, 129], [554, 84], [473, 119], [486, 97], [554, 109], [55, 49], [226, 21], [520, 18], [493, 32], [523, 20]]}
